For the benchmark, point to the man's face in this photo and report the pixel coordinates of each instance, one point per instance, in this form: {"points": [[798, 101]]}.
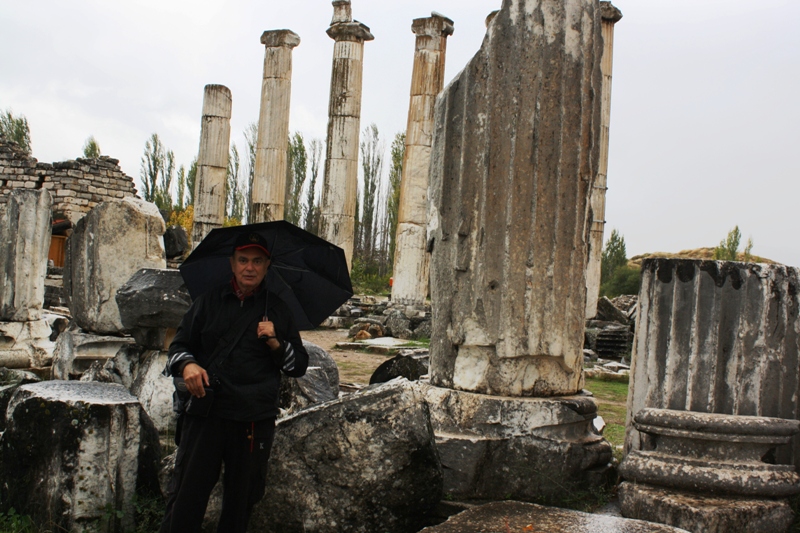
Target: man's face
{"points": [[249, 268]]}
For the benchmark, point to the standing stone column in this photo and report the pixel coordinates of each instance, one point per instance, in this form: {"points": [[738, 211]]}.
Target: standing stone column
{"points": [[24, 242], [515, 152], [269, 178], [411, 260], [340, 188], [611, 15], [212, 162]]}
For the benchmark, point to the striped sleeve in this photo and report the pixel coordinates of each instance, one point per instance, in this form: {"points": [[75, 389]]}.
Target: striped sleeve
{"points": [[289, 358], [176, 361]]}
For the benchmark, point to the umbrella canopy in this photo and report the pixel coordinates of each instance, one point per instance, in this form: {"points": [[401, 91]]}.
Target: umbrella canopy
{"points": [[307, 272]]}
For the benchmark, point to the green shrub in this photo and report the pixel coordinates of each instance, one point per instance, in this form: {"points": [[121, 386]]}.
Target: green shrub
{"points": [[624, 280]]}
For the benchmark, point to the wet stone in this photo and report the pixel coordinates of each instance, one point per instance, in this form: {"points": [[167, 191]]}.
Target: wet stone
{"points": [[410, 367], [705, 513], [176, 242], [517, 516], [318, 357], [153, 298], [301, 393]]}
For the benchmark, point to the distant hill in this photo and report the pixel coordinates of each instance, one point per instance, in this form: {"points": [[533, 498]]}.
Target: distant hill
{"points": [[698, 253]]}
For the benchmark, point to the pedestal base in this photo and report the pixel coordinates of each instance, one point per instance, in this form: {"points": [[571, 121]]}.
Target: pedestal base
{"points": [[704, 514], [527, 449]]}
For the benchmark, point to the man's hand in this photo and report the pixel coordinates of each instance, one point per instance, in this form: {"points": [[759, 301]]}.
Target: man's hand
{"points": [[195, 377], [267, 329]]}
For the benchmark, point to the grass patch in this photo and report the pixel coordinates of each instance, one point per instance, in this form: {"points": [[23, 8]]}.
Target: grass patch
{"points": [[611, 405], [609, 391]]}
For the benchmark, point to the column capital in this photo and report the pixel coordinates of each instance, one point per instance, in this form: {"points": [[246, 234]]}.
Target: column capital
{"points": [[280, 38], [342, 12], [434, 26], [350, 31], [610, 13]]}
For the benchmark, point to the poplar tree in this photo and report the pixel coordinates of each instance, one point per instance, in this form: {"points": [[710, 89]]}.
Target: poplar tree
{"points": [[296, 168], [398, 152], [312, 208], [16, 129], [250, 137], [371, 166], [91, 148], [157, 172], [234, 198]]}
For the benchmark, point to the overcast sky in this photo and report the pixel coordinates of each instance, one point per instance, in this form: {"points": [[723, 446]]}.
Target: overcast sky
{"points": [[704, 119]]}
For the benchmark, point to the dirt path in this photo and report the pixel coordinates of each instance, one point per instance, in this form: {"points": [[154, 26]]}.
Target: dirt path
{"points": [[354, 366]]}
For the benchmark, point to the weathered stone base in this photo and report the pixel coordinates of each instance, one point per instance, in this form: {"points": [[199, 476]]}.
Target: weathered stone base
{"points": [[517, 516], [704, 514], [75, 454], [25, 344], [530, 449]]}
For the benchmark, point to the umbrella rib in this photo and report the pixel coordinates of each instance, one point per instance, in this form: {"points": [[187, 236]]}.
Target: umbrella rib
{"points": [[294, 269]]}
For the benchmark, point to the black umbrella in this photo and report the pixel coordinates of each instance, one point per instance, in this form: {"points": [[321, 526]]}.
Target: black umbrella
{"points": [[307, 272]]}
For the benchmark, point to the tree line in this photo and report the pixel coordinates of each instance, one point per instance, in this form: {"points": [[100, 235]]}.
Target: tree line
{"points": [[172, 190]]}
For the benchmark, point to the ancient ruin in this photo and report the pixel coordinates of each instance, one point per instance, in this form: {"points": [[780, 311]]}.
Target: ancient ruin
{"points": [[99, 450], [610, 16], [110, 245], [75, 186], [212, 162], [709, 472], [503, 202], [339, 191], [269, 178], [24, 243], [411, 259], [508, 232], [716, 345], [514, 158]]}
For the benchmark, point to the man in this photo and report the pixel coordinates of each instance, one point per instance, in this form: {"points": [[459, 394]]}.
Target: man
{"points": [[226, 343]]}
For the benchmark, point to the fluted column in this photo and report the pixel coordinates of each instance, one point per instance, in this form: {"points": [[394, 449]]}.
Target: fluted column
{"points": [[515, 152], [25, 232], [611, 15], [411, 260], [269, 177], [340, 187], [212, 162], [717, 337]]}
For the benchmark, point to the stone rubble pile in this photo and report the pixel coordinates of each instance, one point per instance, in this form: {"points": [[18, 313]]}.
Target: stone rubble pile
{"points": [[368, 318]]}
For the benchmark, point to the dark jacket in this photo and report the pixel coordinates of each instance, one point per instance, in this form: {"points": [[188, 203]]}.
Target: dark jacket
{"points": [[248, 378]]}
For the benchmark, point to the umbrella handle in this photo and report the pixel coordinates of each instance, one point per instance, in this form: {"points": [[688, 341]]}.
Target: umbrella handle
{"points": [[264, 337]]}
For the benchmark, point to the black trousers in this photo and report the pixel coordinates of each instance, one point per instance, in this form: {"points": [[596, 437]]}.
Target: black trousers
{"points": [[207, 443]]}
